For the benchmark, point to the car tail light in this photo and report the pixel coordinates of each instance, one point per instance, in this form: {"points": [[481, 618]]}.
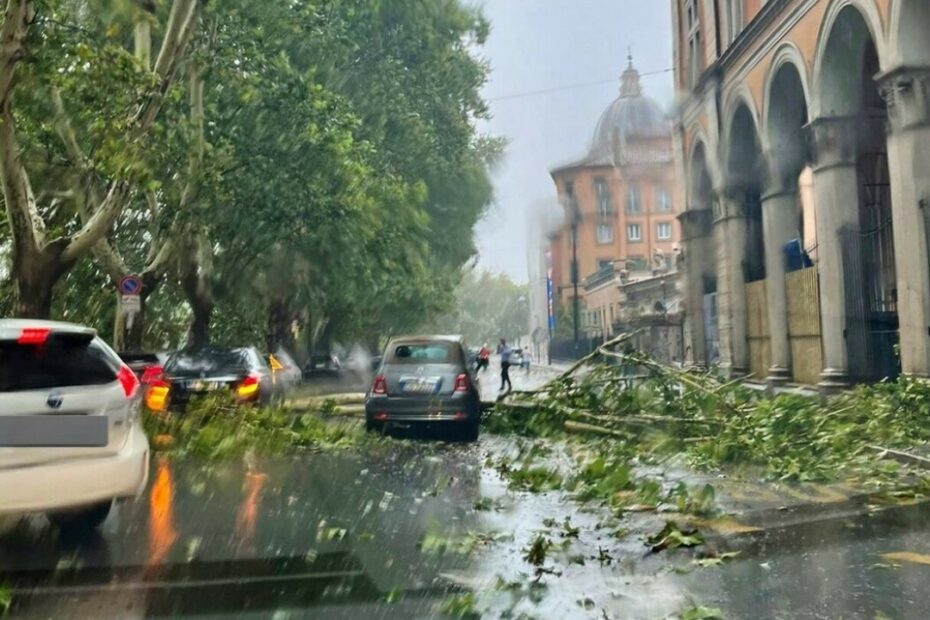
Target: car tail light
{"points": [[152, 374], [379, 386], [156, 395], [461, 383], [248, 387], [128, 380], [33, 335]]}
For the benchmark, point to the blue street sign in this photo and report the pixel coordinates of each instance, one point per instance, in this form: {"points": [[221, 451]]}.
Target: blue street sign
{"points": [[130, 285]]}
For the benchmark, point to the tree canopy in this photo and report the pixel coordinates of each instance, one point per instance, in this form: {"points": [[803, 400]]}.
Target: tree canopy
{"points": [[487, 307], [273, 171]]}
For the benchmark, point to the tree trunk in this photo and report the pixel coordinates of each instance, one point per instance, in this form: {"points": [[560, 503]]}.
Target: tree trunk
{"points": [[195, 281], [35, 274], [196, 286], [280, 319], [34, 294], [199, 336]]}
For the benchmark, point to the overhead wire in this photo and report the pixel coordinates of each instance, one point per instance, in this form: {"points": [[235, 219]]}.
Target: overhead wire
{"points": [[554, 89]]}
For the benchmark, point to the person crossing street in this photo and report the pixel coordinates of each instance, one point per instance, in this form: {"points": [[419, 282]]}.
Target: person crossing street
{"points": [[505, 351], [484, 358]]}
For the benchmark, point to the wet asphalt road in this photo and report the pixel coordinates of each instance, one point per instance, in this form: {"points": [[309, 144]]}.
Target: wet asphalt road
{"points": [[399, 530]]}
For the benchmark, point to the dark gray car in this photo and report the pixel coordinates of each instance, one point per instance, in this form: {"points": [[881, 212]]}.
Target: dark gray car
{"points": [[243, 373], [425, 380]]}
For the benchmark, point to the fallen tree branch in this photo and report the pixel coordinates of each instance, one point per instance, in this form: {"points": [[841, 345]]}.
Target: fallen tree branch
{"points": [[644, 419], [581, 427]]}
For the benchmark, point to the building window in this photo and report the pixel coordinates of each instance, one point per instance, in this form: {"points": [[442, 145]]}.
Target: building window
{"points": [[695, 51], [664, 231], [663, 200], [634, 232], [633, 201], [605, 207], [605, 233]]}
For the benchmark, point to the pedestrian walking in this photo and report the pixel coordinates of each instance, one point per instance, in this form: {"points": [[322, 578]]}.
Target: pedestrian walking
{"points": [[505, 352], [484, 358]]}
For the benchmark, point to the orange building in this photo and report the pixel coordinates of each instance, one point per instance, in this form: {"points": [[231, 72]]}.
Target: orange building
{"points": [[804, 137], [620, 198]]}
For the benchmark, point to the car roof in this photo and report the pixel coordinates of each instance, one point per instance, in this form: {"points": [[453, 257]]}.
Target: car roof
{"points": [[425, 338], [10, 328]]}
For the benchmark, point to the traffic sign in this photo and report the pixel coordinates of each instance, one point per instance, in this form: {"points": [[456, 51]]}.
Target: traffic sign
{"points": [[131, 304], [130, 285]]}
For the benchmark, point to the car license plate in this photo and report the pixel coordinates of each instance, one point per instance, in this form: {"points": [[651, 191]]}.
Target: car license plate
{"points": [[53, 431], [419, 385], [203, 386]]}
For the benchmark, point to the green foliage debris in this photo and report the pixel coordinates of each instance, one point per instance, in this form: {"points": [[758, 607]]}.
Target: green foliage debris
{"points": [[699, 612], [672, 537], [214, 428], [653, 412], [461, 606], [6, 598]]}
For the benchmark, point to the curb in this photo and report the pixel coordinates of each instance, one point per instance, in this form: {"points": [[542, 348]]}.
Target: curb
{"points": [[799, 524]]}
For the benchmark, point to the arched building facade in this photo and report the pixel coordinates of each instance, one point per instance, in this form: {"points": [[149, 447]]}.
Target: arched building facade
{"points": [[804, 137]]}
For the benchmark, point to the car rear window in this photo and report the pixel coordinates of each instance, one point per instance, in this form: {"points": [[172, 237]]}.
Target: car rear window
{"points": [[195, 364], [62, 361], [424, 353]]}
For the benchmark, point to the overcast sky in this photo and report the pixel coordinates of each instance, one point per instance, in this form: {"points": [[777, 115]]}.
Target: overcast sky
{"points": [[537, 45]]}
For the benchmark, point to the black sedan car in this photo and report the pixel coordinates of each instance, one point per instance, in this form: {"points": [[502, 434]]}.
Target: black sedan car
{"points": [[425, 380], [241, 373]]}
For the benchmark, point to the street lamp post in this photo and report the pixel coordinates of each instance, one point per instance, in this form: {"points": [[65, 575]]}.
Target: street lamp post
{"points": [[576, 219]]}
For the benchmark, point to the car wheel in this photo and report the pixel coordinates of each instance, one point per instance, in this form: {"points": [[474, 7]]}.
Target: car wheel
{"points": [[81, 519], [374, 427], [469, 432]]}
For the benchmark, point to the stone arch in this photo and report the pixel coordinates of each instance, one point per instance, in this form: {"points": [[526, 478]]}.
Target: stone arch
{"points": [[787, 54], [786, 115], [700, 187], [738, 100], [910, 23], [745, 177], [849, 26]]}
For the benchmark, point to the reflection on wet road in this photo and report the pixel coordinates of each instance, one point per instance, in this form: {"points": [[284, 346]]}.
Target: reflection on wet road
{"points": [[397, 531], [288, 532]]}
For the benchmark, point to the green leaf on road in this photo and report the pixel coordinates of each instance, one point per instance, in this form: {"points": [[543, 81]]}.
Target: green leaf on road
{"points": [[671, 537], [6, 598], [702, 613], [716, 560]]}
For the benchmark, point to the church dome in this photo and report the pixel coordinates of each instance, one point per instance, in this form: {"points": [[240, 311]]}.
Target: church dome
{"points": [[631, 115], [633, 130]]}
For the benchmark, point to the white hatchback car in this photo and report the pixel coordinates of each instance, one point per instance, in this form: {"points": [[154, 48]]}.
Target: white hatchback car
{"points": [[71, 438]]}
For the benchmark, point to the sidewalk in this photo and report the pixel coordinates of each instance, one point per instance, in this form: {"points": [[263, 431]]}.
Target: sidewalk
{"points": [[748, 511]]}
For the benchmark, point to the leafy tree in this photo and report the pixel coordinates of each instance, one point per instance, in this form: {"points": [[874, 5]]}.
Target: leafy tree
{"points": [[71, 52], [487, 307]]}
